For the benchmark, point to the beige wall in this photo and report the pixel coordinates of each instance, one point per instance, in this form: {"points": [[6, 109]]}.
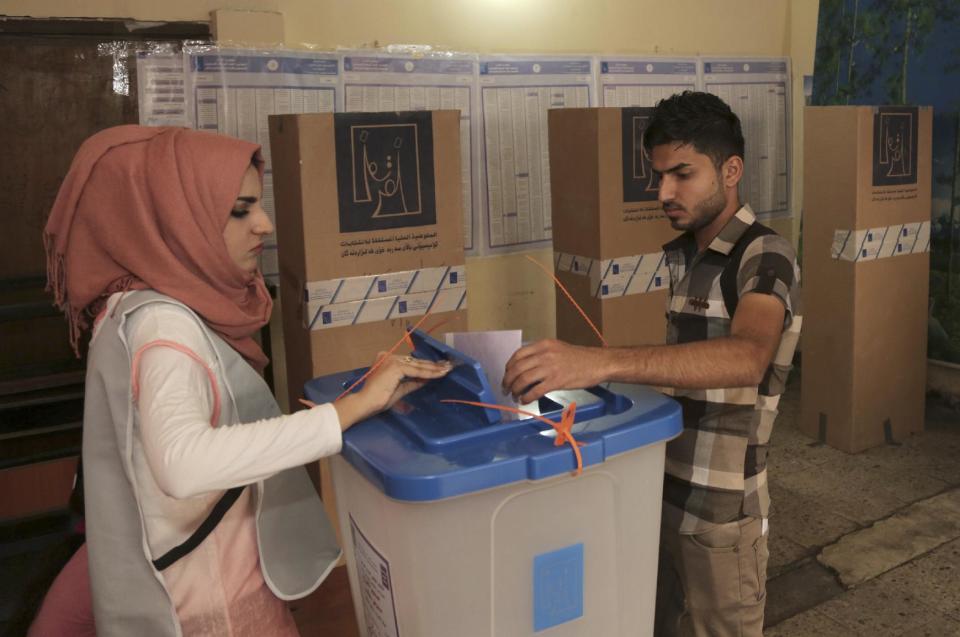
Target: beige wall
{"points": [[681, 26], [507, 291], [147, 10]]}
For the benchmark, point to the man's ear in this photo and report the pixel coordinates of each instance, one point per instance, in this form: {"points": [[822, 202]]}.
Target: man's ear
{"points": [[732, 171]]}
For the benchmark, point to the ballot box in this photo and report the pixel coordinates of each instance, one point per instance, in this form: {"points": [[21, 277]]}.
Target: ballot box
{"points": [[464, 520]]}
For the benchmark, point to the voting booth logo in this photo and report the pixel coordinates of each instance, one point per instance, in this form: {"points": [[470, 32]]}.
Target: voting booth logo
{"points": [[640, 183], [895, 146], [385, 170]]}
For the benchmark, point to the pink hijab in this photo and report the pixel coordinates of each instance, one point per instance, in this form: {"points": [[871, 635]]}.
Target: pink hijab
{"points": [[145, 208]]}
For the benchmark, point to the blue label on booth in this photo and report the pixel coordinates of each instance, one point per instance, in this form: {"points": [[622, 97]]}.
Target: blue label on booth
{"points": [[326, 318], [381, 286], [557, 587]]}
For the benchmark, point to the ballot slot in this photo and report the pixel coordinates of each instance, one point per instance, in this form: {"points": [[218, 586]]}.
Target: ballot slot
{"points": [[437, 425]]}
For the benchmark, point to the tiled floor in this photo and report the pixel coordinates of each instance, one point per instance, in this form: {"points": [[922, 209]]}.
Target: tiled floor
{"points": [[820, 495]]}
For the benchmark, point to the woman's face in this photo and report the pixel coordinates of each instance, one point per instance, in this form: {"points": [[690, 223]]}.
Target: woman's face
{"points": [[247, 224]]}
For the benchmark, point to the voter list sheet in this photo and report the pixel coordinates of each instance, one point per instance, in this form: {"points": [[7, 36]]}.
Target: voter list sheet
{"points": [[628, 81], [233, 91], [515, 95], [758, 92]]}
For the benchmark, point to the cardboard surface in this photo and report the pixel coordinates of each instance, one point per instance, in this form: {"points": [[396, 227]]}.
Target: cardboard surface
{"points": [[360, 194], [605, 207], [865, 322]]}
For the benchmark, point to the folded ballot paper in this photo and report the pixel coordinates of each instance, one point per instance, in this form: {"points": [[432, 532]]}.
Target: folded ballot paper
{"points": [[492, 350]]}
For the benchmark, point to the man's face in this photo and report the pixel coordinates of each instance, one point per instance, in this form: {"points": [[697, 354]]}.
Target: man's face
{"points": [[691, 189]]}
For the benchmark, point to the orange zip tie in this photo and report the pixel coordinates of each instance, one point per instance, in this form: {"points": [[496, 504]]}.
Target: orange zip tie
{"points": [[403, 339], [570, 298], [563, 428]]}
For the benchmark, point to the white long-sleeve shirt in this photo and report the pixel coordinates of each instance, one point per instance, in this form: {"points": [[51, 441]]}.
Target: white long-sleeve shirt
{"points": [[187, 455]]}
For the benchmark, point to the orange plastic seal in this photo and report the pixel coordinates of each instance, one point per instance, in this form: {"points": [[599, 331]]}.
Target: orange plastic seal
{"points": [[570, 298], [563, 428]]}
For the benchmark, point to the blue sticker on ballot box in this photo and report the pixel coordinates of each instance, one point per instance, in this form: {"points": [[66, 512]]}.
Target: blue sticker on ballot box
{"points": [[557, 587]]}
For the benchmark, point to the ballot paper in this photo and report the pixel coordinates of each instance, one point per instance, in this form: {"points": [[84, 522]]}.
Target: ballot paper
{"points": [[492, 350]]}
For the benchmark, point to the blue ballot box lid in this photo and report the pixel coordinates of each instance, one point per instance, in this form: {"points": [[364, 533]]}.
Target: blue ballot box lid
{"points": [[424, 449]]}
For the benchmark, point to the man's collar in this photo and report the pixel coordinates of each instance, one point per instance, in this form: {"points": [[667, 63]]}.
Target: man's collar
{"points": [[731, 232], [725, 239]]}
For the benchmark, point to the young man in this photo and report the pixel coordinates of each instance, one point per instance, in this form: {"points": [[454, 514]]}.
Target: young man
{"points": [[733, 323]]}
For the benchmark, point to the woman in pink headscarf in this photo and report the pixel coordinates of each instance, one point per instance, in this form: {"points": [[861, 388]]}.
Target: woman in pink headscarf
{"points": [[152, 245]]}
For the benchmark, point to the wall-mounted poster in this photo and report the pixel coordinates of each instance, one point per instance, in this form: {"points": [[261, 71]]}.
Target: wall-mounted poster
{"points": [[515, 95], [233, 91]]}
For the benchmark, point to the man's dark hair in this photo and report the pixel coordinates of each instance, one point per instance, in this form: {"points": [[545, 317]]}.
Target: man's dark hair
{"points": [[702, 120]]}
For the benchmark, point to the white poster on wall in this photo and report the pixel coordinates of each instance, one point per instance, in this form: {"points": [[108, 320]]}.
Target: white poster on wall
{"points": [[758, 91], [233, 91], [515, 95], [161, 95], [440, 81], [635, 81]]}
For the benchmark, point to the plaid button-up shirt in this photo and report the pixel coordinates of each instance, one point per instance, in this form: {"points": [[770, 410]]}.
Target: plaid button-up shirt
{"points": [[716, 469]]}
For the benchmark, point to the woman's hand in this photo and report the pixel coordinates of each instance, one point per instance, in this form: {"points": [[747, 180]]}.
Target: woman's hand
{"points": [[396, 377]]}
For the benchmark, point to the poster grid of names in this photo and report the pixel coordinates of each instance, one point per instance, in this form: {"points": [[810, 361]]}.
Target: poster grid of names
{"points": [[503, 100]]}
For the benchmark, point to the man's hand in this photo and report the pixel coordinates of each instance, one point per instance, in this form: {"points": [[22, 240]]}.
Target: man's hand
{"points": [[548, 365], [738, 360]]}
